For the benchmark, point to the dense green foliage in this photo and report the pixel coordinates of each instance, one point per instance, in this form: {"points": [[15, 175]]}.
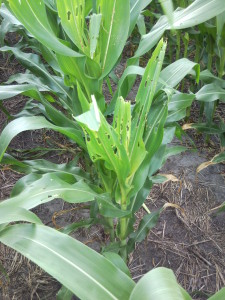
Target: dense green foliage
{"points": [[76, 45]]}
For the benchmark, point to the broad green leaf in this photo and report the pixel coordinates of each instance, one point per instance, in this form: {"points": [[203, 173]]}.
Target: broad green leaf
{"points": [[210, 92], [108, 209], [94, 28], [144, 99], [176, 115], [72, 15], [32, 14], [141, 25], [34, 64], [115, 15], [219, 295], [136, 6], [9, 91], [91, 118], [33, 190], [9, 214], [117, 260], [79, 268], [32, 123], [104, 144], [159, 284], [196, 13], [42, 166], [207, 77], [167, 6], [175, 72], [180, 100], [140, 197], [64, 294]]}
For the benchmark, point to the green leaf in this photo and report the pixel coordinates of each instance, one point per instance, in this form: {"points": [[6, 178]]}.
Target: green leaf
{"points": [[207, 77], [219, 158], [210, 92], [159, 284], [32, 123], [108, 209], [34, 189], [34, 64], [175, 72], [198, 12], [115, 259], [144, 99], [104, 144], [94, 28], [141, 25], [72, 15], [64, 294], [136, 6], [77, 267], [9, 214], [32, 14], [180, 100], [148, 222], [112, 38], [219, 295], [42, 166], [167, 6], [9, 91]]}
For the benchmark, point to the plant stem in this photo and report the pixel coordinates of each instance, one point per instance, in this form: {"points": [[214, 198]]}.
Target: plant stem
{"points": [[123, 227]]}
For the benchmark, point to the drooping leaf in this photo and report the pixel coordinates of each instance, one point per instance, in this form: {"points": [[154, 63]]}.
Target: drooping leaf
{"points": [[210, 92], [77, 267], [160, 284], [8, 215], [32, 123], [197, 12]]}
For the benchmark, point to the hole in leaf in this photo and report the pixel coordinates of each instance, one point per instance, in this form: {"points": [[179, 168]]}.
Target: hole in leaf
{"points": [[115, 150], [68, 15]]}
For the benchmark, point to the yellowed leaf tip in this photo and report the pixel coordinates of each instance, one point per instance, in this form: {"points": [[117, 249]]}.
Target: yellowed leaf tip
{"points": [[187, 126]]}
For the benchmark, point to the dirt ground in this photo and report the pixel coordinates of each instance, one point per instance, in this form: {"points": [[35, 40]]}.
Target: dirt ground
{"points": [[191, 244]]}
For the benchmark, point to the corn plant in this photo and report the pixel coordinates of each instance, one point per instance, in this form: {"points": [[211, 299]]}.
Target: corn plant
{"points": [[86, 273], [80, 42]]}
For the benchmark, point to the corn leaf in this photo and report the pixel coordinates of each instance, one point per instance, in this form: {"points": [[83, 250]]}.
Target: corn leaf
{"points": [[159, 284], [32, 123], [112, 38], [32, 14], [196, 13], [79, 268]]}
